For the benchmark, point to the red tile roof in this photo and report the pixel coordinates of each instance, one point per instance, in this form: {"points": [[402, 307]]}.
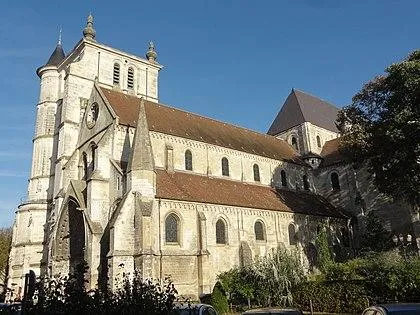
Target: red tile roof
{"points": [[331, 153], [179, 123], [197, 188]]}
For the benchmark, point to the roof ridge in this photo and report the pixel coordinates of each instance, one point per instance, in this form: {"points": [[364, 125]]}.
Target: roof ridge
{"points": [[317, 97], [200, 116]]}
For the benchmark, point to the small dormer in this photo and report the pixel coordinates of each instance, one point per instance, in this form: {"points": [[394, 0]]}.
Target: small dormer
{"points": [[313, 159]]}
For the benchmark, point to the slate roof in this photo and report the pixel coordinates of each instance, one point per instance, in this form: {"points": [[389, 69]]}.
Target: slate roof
{"points": [[56, 57], [301, 107], [168, 120], [198, 188], [331, 154]]}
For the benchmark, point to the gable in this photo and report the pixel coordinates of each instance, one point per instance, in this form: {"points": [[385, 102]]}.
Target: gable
{"points": [[98, 116]]}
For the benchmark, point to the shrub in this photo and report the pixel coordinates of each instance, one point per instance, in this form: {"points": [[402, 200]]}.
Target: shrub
{"points": [[219, 300], [68, 295], [331, 296]]}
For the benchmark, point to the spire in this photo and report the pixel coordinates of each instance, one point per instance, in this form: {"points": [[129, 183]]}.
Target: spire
{"points": [[141, 157], [59, 37], [58, 54], [89, 32], [151, 52]]}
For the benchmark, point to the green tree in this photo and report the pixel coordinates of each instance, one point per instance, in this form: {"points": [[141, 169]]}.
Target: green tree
{"points": [[5, 241], [376, 238], [382, 127], [279, 272], [324, 259]]}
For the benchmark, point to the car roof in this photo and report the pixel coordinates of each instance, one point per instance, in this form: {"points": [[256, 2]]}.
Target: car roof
{"points": [[273, 311], [401, 306]]}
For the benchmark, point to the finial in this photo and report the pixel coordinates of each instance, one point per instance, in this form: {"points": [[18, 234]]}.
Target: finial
{"points": [[59, 37], [151, 52], [89, 32]]}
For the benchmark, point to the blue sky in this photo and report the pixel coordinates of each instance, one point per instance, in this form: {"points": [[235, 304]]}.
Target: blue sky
{"points": [[235, 61]]}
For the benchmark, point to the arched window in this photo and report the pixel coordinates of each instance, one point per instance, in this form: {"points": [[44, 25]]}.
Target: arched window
{"points": [[188, 160], [172, 229], [318, 141], [225, 167], [259, 231], [292, 234], [221, 232], [294, 143], [94, 157], [335, 182], [305, 182], [130, 78], [256, 173], [116, 74], [283, 178], [85, 166]]}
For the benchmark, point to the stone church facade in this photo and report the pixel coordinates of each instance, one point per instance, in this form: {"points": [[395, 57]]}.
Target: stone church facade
{"points": [[125, 183]]}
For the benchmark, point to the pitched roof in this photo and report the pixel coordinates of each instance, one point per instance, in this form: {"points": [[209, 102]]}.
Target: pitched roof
{"points": [[301, 107], [331, 154], [168, 120], [197, 188], [56, 57]]}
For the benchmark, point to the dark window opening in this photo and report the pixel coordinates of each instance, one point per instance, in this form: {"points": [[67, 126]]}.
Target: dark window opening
{"points": [[130, 78], [220, 232], [259, 231], [292, 234], [171, 228], [225, 167], [116, 74], [283, 178], [294, 143], [335, 182], [318, 141], [256, 173], [188, 160], [305, 183]]}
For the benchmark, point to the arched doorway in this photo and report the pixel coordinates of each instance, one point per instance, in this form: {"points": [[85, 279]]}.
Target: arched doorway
{"points": [[70, 241], [76, 235]]}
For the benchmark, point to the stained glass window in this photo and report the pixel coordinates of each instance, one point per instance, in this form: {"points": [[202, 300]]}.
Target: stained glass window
{"points": [[292, 234], [220, 232], [171, 228], [283, 178], [225, 167], [256, 173], [259, 231], [188, 160]]}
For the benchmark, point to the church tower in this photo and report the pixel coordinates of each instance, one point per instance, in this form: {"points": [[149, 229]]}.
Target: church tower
{"points": [[28, 250], [66, 85]]}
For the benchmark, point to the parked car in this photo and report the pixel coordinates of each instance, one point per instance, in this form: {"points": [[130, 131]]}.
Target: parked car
{"points": [[11, 309], [273, 311], [193, 309], [394, 309]]}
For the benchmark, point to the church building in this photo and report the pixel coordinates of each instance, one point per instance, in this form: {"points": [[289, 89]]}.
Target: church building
{"points": [[126, 183]]}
